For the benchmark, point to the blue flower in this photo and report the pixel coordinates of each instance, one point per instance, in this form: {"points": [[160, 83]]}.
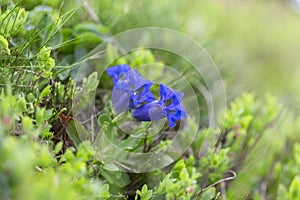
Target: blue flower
{"points": [[130, 88], [168, 106], [117, 71], [132, 92]]}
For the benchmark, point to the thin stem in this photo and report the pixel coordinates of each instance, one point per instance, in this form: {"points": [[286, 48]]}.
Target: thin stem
{"points": [[216, 183]]}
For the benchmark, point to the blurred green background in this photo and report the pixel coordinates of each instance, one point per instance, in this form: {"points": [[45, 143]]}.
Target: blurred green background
{"points": [[255, 44]]}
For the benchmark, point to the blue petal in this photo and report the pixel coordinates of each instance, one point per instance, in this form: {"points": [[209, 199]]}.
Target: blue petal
{"points": [[171, 101], [169, 96], [117, 71], [177, 112], [168, 106], [174, 114], [142, 95], [171, 121], [136, 90], [149, 112], [120, 100]]}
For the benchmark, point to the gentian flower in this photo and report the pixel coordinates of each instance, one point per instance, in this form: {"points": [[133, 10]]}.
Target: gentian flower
{"points": [[130, 88], [168, 106], [117, 71]]}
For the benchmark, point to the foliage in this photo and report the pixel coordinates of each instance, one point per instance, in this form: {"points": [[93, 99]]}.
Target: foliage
{"points": [[47, 153]]}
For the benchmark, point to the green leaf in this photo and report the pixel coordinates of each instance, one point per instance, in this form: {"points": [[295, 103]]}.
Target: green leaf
{"points": [[89, 38], [104, 192], [76, 132], [30, 98], [46, 91], [180, 165], [92, 81], [130, 143], [58, 147], [4, 45], [184, 175], [96, 29], [104, 118], [47, 114], [163, 184], [294, 189], [39, 116], [145, 194]]}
